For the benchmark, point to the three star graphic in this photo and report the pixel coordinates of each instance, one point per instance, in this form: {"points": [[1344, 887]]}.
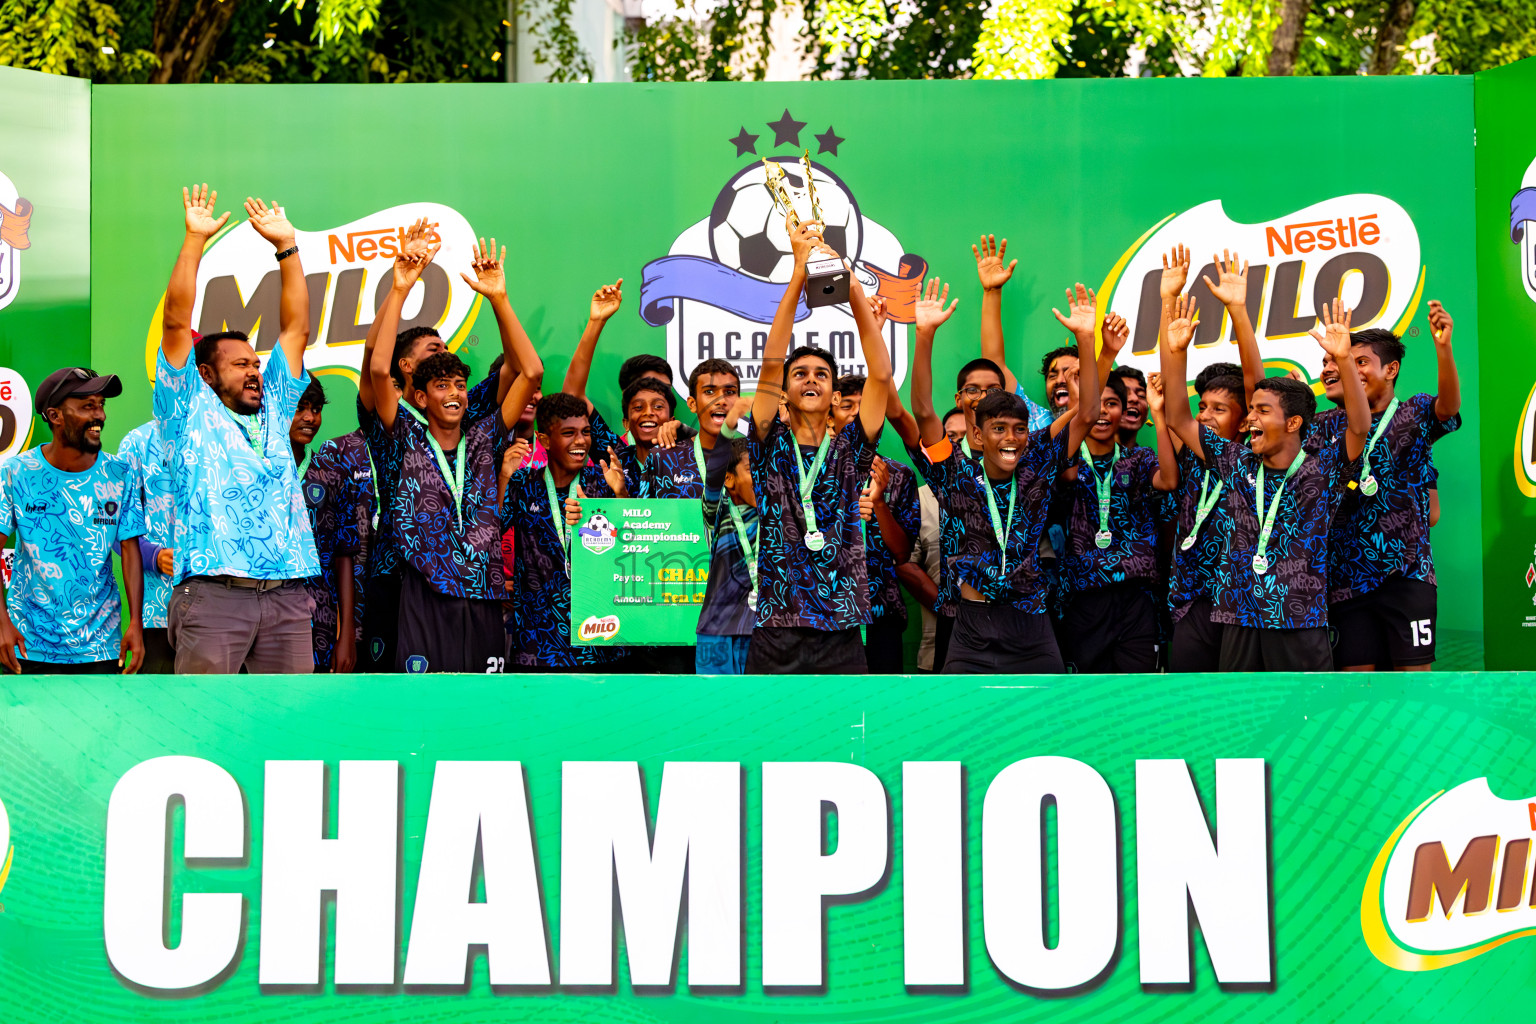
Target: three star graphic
{"points": [[786, 131]]}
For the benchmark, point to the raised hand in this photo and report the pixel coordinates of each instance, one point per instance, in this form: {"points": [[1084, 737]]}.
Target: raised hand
{"points": [[606, 300], [613, 472], [1336, 332], [1181, 323], [490, 279], [270, 223], [198, 203], [515, 456], [931, 311], [1175, 272], [990, 268], [804, 240], [1232, 287], [879, 312], [1116, 333], [1155, 394], [1082, 310], [1440, 323]]}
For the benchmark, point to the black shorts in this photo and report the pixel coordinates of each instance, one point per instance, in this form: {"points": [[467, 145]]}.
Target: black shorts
{"points": [[669, 660], [1244, 649], [381, 625], [994, 638], [943, 632], [882, 644], [1391, 627], [62, 668], [799, 650], [1196, 645], [1110, 629], [447, 634]]}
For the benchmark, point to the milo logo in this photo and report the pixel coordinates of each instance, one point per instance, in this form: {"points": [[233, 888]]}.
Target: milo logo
{"points": [[599, 627]]}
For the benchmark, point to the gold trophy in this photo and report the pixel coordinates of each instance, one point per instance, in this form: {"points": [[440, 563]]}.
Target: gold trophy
{"points": [[827, 279]]}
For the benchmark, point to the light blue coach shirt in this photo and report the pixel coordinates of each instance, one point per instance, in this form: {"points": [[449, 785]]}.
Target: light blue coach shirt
{"points": [[239, 511]]}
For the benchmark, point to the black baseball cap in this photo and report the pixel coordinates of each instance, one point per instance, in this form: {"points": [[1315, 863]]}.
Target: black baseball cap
{"points": [[76, 382]]}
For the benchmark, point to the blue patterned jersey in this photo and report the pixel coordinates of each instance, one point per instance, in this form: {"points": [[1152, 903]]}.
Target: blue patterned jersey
{"points": [[384, 558], [604, 438], [1293, 594], [457, 550], [969, 549], [1387, 533], [884, 586], [338, 489], [1196, 571], [674, 473], [1134, 510], [725, 611], [826, 589], [951, 529], [540, 623], [147, 454], [239, 511], [63, 595], [1040, 416]]}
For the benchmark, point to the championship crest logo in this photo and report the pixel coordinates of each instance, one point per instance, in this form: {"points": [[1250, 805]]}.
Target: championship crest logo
{"points": [[15, 219], [716, 290], [598, 534]]}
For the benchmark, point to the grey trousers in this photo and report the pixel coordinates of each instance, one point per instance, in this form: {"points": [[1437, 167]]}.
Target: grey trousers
{"points": [[217, 629]]}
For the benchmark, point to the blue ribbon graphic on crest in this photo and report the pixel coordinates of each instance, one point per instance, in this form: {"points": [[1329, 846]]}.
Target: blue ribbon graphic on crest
{"points": [[1521, 209], [670, 278]]}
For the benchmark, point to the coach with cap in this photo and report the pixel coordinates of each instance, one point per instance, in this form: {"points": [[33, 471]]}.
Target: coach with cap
{"points": [[70, 505], [243, 545]]}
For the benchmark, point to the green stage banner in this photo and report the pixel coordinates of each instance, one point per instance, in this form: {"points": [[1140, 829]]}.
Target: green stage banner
{"points": [[1090, 180], [639, 569], [1147, 850], [1506, 286]]}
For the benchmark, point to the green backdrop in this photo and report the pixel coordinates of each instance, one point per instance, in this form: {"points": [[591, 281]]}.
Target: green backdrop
{"points": [[1347, 759]]}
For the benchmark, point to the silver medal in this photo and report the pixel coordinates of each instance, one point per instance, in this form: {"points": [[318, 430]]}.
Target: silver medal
{"points": [[1102, 538], [752, 600], [1187, 543], [1368, 486], [815, 540], [1260, 564]]}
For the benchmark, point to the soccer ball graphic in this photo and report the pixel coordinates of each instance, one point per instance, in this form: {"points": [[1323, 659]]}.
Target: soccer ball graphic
{"points": [[746, 229], [599, 524]]}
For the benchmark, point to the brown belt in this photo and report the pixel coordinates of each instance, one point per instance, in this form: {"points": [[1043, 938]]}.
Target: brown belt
{"points": [[244, 583]]}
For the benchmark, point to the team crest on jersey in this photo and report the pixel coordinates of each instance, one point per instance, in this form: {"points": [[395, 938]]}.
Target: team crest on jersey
{"points": [[315, 492], [376, 646], [716, 289], [416, 663]]}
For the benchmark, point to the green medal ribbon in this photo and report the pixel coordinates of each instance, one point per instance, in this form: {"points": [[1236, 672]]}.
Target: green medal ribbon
{"points": [[698, 460], [748, 549], [557, 513], [1368, 483], [420, 416], [1102, 485], [1267, 524], [813, 538], [453, 478], [254, 428], [1202, 509], [965, 446], [304, 466], [1001, 532]]}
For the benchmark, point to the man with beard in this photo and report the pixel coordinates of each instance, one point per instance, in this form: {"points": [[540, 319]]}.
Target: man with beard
{"points": [[813, 593], [72, 503], [243, 541]]}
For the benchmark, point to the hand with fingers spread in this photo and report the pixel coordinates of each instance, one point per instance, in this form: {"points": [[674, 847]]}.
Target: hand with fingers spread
{"points": [[1175, 272], [990, 265], [1181, 325], [573, 506], [1082, 315], [613, 472], [490, 278], [1116, 333], [606, 301], [198, 203], [1440, 323], [1230, 287], [270, 223], [931, 311], [414, 257], [1335, 340], [805, 240]]}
